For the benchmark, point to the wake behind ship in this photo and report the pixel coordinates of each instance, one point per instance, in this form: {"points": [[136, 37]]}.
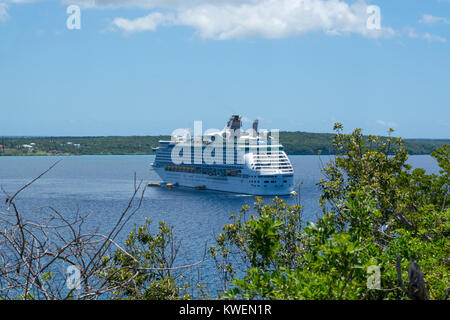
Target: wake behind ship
{"points": [[230, 160]]}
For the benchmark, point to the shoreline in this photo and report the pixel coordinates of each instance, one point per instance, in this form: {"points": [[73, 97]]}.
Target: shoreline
{"points": [[153, 155]]}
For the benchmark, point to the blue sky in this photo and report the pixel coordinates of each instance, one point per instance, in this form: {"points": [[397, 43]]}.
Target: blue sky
{"points": [[140, 67]]}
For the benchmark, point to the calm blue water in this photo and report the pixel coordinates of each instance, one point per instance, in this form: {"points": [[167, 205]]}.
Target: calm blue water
{"points": [[103, 185]]}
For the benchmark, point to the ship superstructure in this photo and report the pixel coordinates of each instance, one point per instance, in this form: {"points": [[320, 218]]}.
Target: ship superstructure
{"points": [[230, 160]]}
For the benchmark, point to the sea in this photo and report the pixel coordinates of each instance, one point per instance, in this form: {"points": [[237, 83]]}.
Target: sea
{"points": [[102, 186]]}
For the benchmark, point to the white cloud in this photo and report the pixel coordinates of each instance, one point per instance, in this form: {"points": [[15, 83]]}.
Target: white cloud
{"points": [[168, 4], [235, 19], [4, 7], [386, 123], [412, 34], [19, 1], [239, 19], [3, 12], [433, 38], [430, 19], [149, 22]]}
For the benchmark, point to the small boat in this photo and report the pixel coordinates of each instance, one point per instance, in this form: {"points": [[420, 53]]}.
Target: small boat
{"points": [[169, 185], [154, 184]]}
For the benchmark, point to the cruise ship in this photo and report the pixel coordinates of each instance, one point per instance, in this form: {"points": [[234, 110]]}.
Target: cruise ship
{"points": [[230, 160]]}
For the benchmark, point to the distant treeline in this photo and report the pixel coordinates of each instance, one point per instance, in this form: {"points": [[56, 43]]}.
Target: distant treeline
{"points": [[305, 143], [295, 143]]}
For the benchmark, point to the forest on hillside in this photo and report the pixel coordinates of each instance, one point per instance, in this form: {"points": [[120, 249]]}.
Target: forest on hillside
{"points": [[295, 143]]}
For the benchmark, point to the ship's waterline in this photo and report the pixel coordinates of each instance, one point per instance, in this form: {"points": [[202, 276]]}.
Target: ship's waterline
{"points": [[257, 185]]}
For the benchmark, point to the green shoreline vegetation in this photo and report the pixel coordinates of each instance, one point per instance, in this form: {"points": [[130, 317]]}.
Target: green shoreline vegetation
{"points": [[295, 143], [383, 234]]}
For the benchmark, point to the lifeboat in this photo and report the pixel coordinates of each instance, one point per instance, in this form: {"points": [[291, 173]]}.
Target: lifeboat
{"points": [[154, 184]]}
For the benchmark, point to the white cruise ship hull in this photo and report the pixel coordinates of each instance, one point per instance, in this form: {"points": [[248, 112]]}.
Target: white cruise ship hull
{"points": [[273, 185]]}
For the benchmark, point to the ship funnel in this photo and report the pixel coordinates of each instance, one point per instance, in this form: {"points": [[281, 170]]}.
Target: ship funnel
{"points": [[255, 127], [234, 123]]}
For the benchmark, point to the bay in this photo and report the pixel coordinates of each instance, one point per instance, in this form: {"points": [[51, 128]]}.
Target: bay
{"points": [[103, 185]]}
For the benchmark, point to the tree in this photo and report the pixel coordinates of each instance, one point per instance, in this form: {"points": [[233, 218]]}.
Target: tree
{"points": [[380, 218], [38, 250], [145, 268]]}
